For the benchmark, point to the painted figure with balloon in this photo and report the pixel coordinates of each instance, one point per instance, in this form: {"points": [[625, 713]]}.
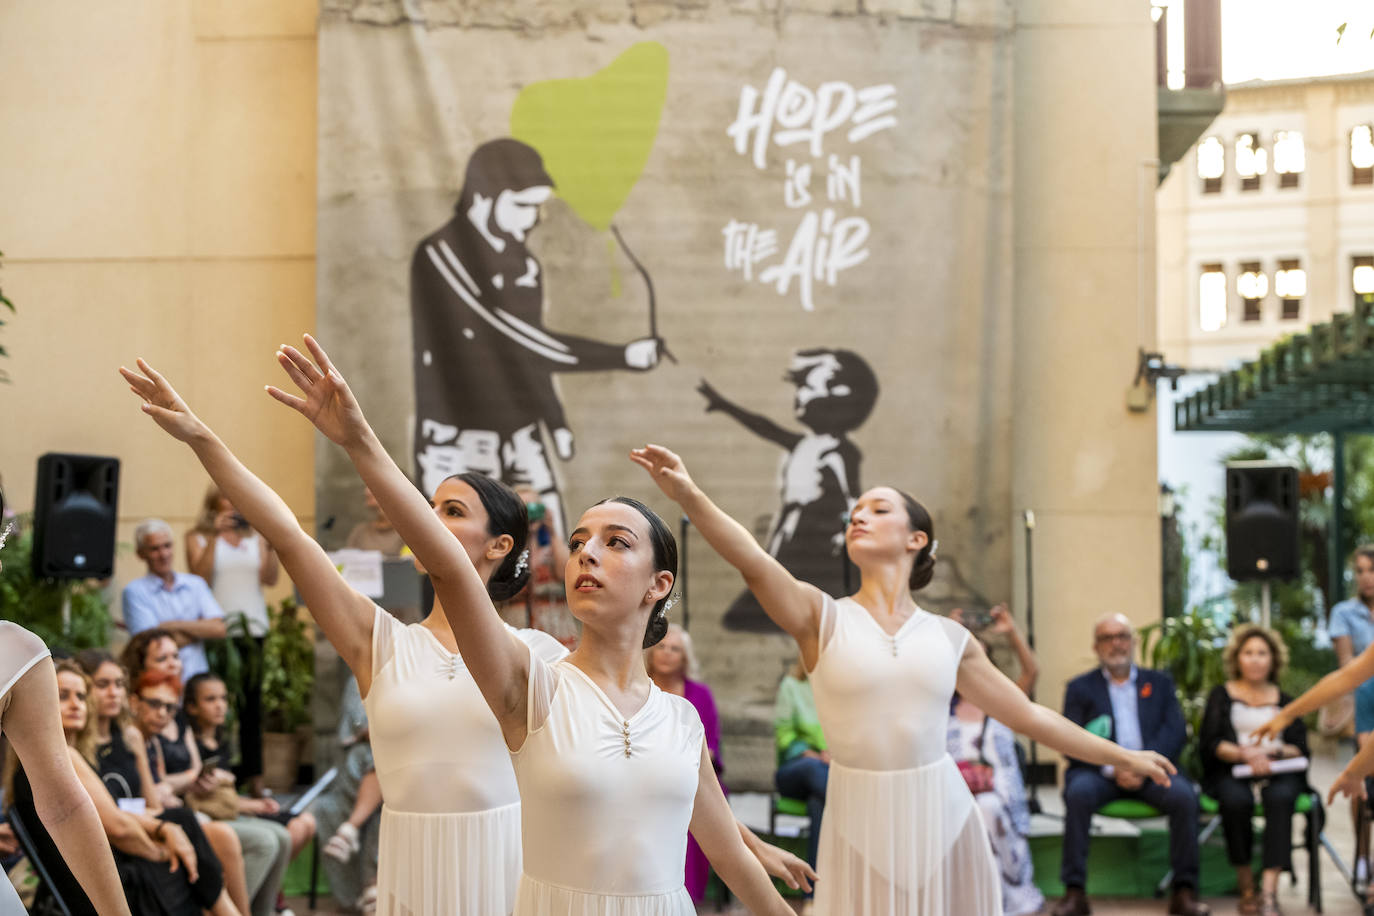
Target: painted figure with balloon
{"points": [[485, 365]]}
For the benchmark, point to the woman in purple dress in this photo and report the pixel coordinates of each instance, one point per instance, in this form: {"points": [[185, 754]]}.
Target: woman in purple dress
{"points": [[673, 667]]}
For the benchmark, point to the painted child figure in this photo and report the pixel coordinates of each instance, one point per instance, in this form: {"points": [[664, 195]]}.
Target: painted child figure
{"points": [[819, 475]]}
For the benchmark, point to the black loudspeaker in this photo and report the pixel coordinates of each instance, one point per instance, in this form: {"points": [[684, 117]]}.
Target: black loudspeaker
{"points": [[74, 514], [1261, 521]]}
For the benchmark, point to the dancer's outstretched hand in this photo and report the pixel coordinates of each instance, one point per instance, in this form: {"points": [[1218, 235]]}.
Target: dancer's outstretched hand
{"points": [[1153, 766], [1346, 784], [667, 470], [326, 400], [162, 403], [1273, 729], [786, 867]]}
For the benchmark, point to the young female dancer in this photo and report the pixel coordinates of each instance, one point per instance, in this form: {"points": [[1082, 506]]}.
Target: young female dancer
{"points": [[612, 771], [900, 836], [450, 833]]}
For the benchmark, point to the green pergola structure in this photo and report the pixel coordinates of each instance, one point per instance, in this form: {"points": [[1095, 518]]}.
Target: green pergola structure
{"points": [[1321, 381]]}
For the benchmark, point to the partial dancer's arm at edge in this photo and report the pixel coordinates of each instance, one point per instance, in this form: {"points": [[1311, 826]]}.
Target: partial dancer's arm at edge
{"points": [[343, 614], [718, 834], [1351, 779], [498, 662], [1332, 687], [793, 605], [990, 690], [34, 729]]}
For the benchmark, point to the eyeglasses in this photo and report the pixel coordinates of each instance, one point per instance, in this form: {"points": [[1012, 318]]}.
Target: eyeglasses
{"points": [[157, 705], [1114, 637]]}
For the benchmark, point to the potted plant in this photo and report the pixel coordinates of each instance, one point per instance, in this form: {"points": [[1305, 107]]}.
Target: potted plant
{"points": [[37, 604], [288, 677]]}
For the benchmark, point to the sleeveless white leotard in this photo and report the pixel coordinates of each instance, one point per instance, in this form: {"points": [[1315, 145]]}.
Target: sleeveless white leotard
{"points": [[900, 834]]}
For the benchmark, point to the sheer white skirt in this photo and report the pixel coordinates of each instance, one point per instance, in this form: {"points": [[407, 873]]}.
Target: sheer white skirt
{"points": [[464, 864], [904, 843], [535, 898]]}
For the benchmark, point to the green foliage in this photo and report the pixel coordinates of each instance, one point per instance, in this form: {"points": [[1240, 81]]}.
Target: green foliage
{"points": [[1189, 648], [288, 669], [4, 301], [36, 604]]}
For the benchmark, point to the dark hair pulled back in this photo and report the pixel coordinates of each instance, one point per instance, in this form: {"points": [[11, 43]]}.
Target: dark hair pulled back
{"points": [[506, 514], [923, 570], [665, 557]]}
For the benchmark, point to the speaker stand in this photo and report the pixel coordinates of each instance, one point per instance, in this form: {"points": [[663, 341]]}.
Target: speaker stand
{"points": [[1264, 603]]}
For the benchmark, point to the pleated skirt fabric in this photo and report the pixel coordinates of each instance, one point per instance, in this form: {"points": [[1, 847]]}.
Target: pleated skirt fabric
{"points": [[535, 898], [904, 843], [465, 864]]}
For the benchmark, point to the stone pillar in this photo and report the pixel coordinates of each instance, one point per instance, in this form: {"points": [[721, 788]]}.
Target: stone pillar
{"points": [[1084, 222]]}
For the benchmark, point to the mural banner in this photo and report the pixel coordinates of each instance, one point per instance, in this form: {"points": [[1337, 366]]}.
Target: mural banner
{"points": [[776, 241]]}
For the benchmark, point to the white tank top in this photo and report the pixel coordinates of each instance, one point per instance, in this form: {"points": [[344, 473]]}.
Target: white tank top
{"points": [[883, 701], [435, 743], [237, 586], [20, 650], [605, 800]]}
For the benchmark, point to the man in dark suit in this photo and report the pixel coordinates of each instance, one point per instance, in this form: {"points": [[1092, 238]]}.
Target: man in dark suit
{"points": [[1136, 708]]}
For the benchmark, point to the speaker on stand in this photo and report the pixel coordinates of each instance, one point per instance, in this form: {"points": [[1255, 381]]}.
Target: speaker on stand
{"points": [[1262, 525], [75, 510]]}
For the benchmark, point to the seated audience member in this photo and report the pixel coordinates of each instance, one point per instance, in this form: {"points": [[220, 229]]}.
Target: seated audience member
{"points": [[255, 855], [672, 666], [803, 761], [156, 651], [179, 603], [164, 862], [1136, 708], [347, 811], [207, 708], [985, 751], [375, 533], [1254, 658], [121, 759]]}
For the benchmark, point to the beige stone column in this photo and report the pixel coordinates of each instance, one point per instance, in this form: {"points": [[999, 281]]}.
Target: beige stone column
{"points": [[1084, 190]]}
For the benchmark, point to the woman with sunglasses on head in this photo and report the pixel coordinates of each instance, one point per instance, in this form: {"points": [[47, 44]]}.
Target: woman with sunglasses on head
{"points": [[601, 755], [900, 836], [450, 835]]}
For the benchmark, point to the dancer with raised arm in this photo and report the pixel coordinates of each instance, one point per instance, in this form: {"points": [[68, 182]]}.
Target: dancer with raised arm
{"points": [[450, 831], [612, 771], [900, 836], [29, 720]]}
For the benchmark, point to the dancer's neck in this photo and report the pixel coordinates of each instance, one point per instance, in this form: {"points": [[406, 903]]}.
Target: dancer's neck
{"points": [[886, 591]]}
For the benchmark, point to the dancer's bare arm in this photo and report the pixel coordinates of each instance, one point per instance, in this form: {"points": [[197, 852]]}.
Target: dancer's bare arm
{"points": [[793, 605], [1332, 687], [716, 832], [343, 614], [990, 690], [34, 729], [498, 661]]}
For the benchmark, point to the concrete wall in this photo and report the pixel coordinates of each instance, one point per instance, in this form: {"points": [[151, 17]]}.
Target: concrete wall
{"points": [[1084, 289], [158, 188]]}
